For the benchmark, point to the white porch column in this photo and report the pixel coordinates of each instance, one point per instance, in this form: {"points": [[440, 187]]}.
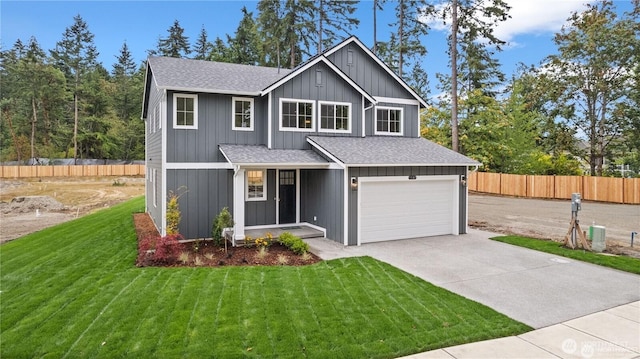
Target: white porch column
{"points": [[238, 205]]}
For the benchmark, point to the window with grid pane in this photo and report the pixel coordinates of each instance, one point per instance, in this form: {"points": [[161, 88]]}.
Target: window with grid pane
{"points": [[243, 114], [296, 115], [185, 111], [388, 121], [335, 117]]}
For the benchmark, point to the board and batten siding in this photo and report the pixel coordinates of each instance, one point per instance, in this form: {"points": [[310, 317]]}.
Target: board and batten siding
{"points": [[215, 122], [304, 87], [403, 171], [367, 73], [154, 160], [322, 201], [204, 193]]}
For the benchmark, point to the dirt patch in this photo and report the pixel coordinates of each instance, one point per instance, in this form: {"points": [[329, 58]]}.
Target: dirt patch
{"points": [[549, 219], [207, 254], [30, 205]]}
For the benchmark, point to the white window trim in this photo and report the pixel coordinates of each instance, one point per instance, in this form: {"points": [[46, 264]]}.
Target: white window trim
{"points": [[175, 111], [320, 129], [387, 133], [233, 114], [246, 186], [297, 129]]}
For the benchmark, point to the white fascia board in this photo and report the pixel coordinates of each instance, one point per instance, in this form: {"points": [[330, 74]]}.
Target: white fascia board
{"points": [[163, 164], [332, 157], [348, 80], [355, 40], [282, 165], [312, 63], [206, 90], [224, 154], [402, 101], [144, 93], [409, 164], [199, 166]]}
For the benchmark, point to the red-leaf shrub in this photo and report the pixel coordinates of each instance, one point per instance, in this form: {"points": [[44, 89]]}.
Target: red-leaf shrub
{"points": [[168, 248]]}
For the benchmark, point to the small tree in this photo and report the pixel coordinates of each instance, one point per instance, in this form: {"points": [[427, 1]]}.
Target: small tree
{"points": [[222, 221], [173, 211]]}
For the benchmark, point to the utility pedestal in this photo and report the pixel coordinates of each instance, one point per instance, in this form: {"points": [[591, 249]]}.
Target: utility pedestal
{"points": [[575, 236]]}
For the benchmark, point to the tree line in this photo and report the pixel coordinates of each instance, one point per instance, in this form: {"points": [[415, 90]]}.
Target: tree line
{"points": [[577, 108]]}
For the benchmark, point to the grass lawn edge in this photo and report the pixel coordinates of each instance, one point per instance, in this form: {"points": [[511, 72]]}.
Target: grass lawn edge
{"points": [[623, 263]]}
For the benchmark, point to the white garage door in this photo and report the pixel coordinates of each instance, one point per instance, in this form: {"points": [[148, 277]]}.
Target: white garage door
{"points": [[398, 208]]}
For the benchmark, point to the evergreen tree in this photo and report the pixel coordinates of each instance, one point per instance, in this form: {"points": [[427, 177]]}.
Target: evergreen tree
{"points": [[75, 55], [174, 45], [334, 16], [243, 47], [219, 51], [409, 31], [272, 32], [202, 47]]}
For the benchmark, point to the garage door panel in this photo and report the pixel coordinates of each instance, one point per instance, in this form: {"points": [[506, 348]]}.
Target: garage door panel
{"points": [[392, 209]]}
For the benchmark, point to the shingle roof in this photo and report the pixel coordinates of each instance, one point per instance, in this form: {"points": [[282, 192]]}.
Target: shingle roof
{"points": [[261, 155], [208, 76], [389, 151]]}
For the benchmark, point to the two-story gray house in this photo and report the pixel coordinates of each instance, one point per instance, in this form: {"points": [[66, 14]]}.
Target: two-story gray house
{"points": [[333, 144]]}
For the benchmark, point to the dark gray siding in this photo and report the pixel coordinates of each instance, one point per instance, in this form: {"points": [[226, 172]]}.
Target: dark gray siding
{"points": [[402, 171], [154, 155], [303, 87], [322, 196], [206, 192], [262, 212], [214, 128], [367, 73]]}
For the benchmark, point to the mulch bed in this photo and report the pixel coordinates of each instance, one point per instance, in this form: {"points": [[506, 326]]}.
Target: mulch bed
{"points": [[207, 254]]}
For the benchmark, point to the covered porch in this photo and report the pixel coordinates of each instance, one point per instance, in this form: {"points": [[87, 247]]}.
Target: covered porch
{"points": [[267, 191]]}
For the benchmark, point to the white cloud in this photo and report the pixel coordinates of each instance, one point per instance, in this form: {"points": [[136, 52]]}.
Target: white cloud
{"points": [[536, 16], [527, 17]]}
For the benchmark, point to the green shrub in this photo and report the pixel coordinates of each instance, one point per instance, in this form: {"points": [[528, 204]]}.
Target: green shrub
{"points": [[222, 221], [294, 243]]}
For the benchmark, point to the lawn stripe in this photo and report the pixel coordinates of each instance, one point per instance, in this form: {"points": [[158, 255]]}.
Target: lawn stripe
{"points": [[99, 315]]}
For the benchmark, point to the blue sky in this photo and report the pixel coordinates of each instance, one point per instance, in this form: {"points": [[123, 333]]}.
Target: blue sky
{"points": [[142, 23]]}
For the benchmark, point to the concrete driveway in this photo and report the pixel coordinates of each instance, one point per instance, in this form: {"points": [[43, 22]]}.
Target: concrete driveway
{"points": [[532, 287]]}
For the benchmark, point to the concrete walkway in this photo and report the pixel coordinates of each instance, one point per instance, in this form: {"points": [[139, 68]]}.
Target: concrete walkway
{"points": [[574, 305]]}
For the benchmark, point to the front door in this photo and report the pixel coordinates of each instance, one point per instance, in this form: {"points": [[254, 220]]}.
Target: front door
{"points": [[287, 195]]}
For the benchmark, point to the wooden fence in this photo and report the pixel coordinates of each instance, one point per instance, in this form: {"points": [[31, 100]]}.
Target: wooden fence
{"points": [[71, 171], [603, 189]]}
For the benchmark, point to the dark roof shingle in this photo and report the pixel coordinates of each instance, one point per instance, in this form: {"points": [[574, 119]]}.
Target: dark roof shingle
{"points": [[259, 155], [216, 77], [389, 151]]}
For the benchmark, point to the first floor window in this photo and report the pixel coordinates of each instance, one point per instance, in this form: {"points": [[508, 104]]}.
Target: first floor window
{"points": [[256, 185], [243, 114], [388, 120], [296, 115], [335, 116], [185, 111]]}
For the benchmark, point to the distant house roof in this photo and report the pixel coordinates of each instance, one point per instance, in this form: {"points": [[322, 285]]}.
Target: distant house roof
{"points": [[247, 155], [389, 151], [213, 77]]}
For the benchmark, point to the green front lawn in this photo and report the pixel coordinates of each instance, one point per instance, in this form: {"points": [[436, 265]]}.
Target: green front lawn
{"points": [[627, 264], [72, 291]]}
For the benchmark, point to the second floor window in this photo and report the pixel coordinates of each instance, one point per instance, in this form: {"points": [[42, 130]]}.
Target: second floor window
{"points": [[296, 115], [185, 111], [388, 121], [243, 114], [335, 117]]}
